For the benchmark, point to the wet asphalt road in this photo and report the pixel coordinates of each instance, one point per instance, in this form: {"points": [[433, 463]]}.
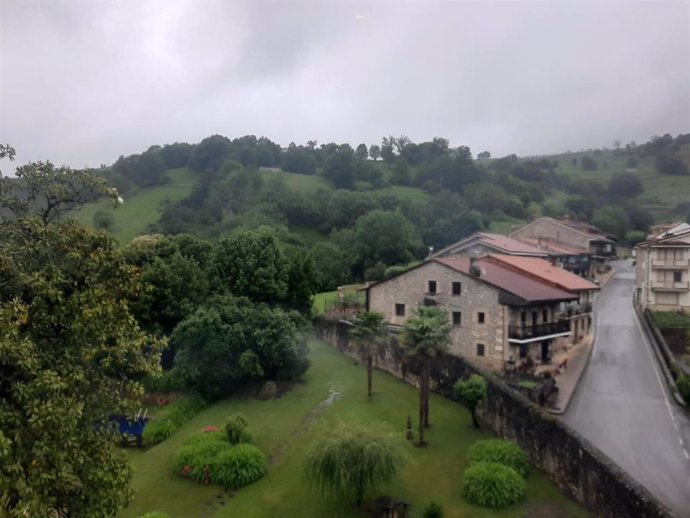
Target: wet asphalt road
{"points": [[622, 405]]}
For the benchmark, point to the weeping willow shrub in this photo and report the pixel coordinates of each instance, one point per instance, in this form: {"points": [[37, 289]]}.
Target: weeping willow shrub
{"points": [[500, 451], [493, 485], [350, 460]]}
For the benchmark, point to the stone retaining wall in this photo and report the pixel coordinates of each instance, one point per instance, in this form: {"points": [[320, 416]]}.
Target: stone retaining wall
{"points": [[578, 467]]}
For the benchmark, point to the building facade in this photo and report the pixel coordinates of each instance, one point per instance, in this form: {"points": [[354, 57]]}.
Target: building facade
{"points": [[500, 318]]}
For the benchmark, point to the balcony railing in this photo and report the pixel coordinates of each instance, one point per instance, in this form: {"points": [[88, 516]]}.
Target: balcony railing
{"points": [[670, 263], [669, 286], [580, 309], [551, 328]]}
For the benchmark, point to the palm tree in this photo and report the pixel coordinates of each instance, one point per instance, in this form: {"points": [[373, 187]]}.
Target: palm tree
{"points": [[369, 335], [426, 336]]}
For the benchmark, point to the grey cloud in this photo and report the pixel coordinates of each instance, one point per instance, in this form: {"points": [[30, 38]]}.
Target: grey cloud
{"points": [[83, 82]]}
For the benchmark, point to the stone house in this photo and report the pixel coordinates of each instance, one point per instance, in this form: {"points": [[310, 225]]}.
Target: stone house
{"points": [[599, 245], [662, 270], [500, 317], [578, 312]]}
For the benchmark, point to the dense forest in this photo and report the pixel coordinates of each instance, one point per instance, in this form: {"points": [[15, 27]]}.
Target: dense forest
{"points": [[370, 210]]}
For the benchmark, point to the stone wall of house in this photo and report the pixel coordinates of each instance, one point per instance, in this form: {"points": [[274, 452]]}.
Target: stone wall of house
{"points": [[411, 289], [578, 467], [545, 228]]}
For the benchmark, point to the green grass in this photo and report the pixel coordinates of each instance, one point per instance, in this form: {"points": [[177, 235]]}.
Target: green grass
{"points": [[285, 428], [504, 226], [404, 193], [300, 182], [319, 301], [142, 208]]}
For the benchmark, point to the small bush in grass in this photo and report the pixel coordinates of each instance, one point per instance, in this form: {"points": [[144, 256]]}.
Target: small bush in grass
{"points": [[228, 465], [172, 418], [237, 466], [433, 510], [236, 429], [155, 514], [493, 485], [500, 451]]}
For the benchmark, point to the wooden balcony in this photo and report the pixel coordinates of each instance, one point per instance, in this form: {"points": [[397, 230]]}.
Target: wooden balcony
{"points": [[669, 286], [523, 334], [670, 264]]}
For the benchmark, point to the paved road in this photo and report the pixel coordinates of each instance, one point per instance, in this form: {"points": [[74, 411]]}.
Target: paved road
{"points": [[623, 407]]}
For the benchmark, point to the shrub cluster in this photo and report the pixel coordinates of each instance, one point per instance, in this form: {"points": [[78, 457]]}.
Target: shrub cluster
{"points": [[500, 451], [493, 485], [433, 510], [210, 454], [172, 418], [236, 429]]}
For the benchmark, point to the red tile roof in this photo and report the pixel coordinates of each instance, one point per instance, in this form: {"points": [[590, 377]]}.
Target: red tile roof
{"points": [[509, 244], [545, 271], [510, 280]]}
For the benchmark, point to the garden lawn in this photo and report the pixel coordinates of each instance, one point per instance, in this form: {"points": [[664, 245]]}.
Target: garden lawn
{"points": [[285, 428]]}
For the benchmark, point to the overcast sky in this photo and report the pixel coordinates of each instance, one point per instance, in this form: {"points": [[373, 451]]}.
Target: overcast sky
{"points": [[83, 82]]}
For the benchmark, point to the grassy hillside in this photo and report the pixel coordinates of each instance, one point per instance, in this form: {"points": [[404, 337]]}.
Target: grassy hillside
{"points": [[300, 182], [142, 208], [662, 193]]}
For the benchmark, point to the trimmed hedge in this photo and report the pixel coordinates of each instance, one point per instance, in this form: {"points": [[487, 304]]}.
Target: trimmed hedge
{"points": [[500, 451], [172, 418], [228, 465], [493, 485]]}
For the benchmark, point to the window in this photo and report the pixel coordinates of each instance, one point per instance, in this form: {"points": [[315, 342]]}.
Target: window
{"points": [[545, 316], [480, 349], [457, 288], [457, 318], [400, 310], [677, 276], [480, 317], [432, 288]]}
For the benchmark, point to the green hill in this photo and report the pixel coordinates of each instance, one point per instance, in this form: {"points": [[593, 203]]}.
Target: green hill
{"points": [[142, 208]]}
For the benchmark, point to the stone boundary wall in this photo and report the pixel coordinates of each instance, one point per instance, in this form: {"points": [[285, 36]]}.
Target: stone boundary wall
{"points": [[572, 462]]}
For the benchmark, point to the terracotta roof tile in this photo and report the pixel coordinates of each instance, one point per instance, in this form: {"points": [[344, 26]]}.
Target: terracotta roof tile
{"points": [[544, 270], [507, 279]]}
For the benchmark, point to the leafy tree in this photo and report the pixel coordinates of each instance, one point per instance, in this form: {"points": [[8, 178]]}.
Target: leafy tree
{"points": [[301, 277], [385, 236], [145, 169], [387, 153], [351, 460], [338, 169], [230, 341], [176, 155], [250, 263], [333, 265], [401, 172], [46, 191], [668, 163], [210, 153], [103, 219], [472, 391], [425, 336], [362, 152], [484, 155], [588, 164], [69, 352], [625, 185], [612, 219], [299, 162], [375, 152], [369, 335]]}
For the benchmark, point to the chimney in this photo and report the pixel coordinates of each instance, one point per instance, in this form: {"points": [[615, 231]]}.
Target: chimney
{"points": [[475, 270]]}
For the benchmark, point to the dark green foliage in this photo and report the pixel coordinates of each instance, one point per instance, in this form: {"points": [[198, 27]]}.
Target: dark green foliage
{"points": [[69, 352], [668, 163], [103, 219], [625, 185], [351, 459], [339, 169], [472, 392], [589, 164], [299, 162], [433, 510], [228, 465], [493, 485], [671, 319], [386, 237], [250, 263], [171, 418], [683, 385], [500, 451], [236, 429], [231, 341], [145, 170]]}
